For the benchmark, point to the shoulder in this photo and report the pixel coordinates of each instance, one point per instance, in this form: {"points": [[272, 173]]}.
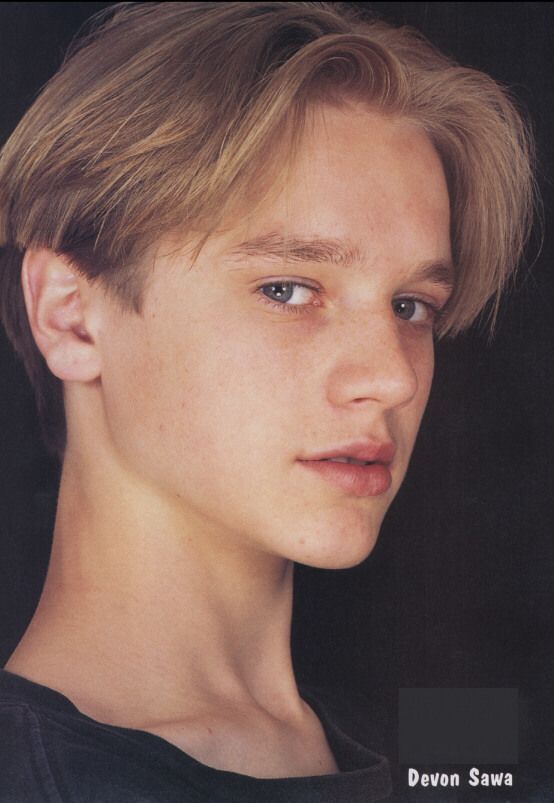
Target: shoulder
{"points": [[51, 753], [24, 770]]}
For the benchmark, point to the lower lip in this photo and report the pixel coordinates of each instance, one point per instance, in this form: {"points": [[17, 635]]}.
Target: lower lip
{"points": [[355, 480]]}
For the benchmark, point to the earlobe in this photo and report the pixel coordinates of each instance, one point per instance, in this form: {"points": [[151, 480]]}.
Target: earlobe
{"points": [[55, 297]]}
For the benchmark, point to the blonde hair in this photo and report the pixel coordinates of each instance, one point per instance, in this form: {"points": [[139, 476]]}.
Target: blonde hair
{"points": [[163, 115]]}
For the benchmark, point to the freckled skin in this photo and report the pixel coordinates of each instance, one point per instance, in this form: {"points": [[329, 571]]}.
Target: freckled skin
{"points": [[243, 389]]}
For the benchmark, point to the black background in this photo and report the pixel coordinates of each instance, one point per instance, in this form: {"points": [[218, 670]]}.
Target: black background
{"points": [[459, 590]]}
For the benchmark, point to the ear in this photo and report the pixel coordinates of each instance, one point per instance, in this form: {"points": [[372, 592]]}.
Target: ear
{"points": [[56, 300]]}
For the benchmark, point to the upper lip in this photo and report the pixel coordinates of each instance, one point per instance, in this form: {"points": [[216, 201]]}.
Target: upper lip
{"points": [[369, 451]]}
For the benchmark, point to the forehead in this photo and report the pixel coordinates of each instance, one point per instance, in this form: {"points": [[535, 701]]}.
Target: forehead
{"points": [[360, 183]]}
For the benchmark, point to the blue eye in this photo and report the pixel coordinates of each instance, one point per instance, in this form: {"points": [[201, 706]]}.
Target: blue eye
{"points": [[289, 294], [411, 309], [279, 291], [405, 308]]}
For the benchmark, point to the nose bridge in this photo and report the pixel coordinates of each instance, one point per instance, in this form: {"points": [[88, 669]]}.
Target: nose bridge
{"points": [[372, 362]]}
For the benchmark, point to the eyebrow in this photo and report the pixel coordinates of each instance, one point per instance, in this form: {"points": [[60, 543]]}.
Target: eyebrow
{"points": [[436, 272], [331, 251], [298, 249]]}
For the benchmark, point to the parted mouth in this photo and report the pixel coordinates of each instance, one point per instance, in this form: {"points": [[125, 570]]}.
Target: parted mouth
{"points": [[351, 460], [360, 470], [357, 454]]}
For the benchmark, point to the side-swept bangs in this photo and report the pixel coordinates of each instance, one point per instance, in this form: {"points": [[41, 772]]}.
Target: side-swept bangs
{"points": [[167, 116]]}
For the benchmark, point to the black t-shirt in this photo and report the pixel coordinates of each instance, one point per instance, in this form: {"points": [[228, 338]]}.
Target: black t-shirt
{"points": [[52, 753]]}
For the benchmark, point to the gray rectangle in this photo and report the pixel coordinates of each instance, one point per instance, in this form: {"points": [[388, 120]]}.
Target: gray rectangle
{"points": [[458, 726]]}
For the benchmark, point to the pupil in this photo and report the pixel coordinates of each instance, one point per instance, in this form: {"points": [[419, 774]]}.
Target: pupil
{"points": [[281, 291], [405, 309]]}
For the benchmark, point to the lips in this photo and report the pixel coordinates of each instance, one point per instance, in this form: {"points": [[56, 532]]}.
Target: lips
{"points": [[351, 460], [366, 452], [361, 469]]}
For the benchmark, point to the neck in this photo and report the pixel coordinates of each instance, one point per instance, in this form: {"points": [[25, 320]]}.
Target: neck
{"points": [[144, 603]]}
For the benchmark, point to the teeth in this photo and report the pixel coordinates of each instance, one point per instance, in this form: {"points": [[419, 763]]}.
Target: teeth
{"points": [[351, 460]]}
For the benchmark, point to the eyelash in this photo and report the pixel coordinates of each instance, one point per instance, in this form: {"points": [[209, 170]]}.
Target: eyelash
{"points": [[434, 310], [282, 306]]}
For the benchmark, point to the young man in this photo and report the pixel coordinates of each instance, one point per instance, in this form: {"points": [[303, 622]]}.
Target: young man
{"points": [[230, 232]]}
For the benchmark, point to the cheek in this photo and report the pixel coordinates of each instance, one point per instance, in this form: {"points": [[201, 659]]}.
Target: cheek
{"points": [[419, 352], [427, 370], [425, 363], [424, 369], [220, 386]]}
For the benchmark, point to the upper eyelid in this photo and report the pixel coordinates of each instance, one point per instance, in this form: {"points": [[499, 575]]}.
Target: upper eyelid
{"points": [[287, 280], [286, 306], [296, 283], [422, 298], [438, 300], [434, 311]]}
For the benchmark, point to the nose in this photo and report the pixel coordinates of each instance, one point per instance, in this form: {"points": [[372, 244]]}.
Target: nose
{"points": [[376, 362]]}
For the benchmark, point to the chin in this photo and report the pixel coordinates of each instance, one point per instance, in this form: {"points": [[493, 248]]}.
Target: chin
{"points": [[341, 548], [338, 560]]}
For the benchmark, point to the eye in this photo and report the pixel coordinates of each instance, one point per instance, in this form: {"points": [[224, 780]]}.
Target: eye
{"points": [[288, 293], [414, 310]]}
